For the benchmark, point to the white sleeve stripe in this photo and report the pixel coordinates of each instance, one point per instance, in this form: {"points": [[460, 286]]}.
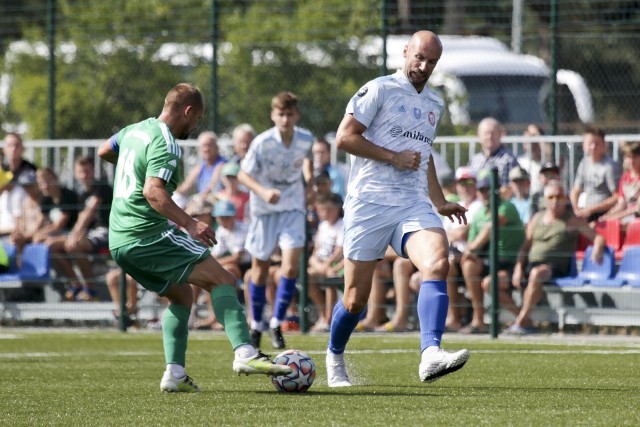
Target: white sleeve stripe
{"points": [[185, 242], [172, 147], [165, 174]]}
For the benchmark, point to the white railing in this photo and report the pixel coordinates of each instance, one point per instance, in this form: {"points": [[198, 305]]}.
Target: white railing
{"points": [[60, 154]]}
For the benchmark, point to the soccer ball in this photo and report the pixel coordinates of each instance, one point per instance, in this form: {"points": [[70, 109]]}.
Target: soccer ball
{"points": [[302, 375]]}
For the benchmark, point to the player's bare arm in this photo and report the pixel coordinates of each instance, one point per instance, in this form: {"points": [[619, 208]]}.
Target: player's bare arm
{"points": [[350, 139], [269, 195], [106, 153], [158, 197], [451, 210]]}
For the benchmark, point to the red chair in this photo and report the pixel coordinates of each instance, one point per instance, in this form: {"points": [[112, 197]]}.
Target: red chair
{"points": [[611, 230], [633, 234]]}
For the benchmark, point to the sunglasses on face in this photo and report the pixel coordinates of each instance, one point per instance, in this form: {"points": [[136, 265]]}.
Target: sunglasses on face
{"points": [[466, 182], [554, 197]]}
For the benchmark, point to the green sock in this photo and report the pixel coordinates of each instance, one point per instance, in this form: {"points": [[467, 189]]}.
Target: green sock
{"points": [[230, 314], [175, 331]]}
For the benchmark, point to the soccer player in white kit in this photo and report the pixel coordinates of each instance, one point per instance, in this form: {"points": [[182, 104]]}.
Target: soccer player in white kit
{"points": [[389, 127], [273, 169]]}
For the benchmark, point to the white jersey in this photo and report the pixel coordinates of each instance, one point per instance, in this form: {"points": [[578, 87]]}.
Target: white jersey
{"points": [[328, 237], [397, 118], [231, 241], [273, 165]]}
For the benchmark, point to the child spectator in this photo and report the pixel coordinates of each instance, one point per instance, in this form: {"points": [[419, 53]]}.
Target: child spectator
{"points": [[520, 183], [232, 191], [596, 182], [326, 260], [457, 234], [627, 207]]}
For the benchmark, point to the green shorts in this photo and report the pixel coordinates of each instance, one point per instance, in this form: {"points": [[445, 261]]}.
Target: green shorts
{"points": [[157, 262]]}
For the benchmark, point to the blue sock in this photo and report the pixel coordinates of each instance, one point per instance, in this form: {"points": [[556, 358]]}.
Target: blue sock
{"points": [[342, 325], [258, 296], [433, 303], [284, 294]]}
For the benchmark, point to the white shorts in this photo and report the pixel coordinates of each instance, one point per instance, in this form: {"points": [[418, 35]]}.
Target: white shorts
{"points": [[286, 229], [370, 228]]}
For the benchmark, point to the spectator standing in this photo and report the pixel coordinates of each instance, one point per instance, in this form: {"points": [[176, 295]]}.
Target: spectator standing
{"points": [[205, 176], [389, 127], [273, 170], [475, 258], [322, 162], [595, 187], [531, 161], [551, 240], [13, 149], [494, 154], [520, 185], [242, 136], [160, 256]]}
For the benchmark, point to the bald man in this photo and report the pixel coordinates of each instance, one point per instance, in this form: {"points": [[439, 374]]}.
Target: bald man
{"points": [[390, 126]]}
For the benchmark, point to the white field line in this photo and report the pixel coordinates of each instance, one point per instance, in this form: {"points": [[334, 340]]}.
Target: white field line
{"points": [[43, 355]]}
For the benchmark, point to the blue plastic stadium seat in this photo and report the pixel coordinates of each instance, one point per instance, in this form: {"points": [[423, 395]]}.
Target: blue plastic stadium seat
{"points": [[629, 272], [35, 262], [12, 274], [591, 273]]}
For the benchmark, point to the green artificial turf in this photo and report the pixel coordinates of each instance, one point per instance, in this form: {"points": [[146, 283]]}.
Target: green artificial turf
{"points": [[87, 378]]}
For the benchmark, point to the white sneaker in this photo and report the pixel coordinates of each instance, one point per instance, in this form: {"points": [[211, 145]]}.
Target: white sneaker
{"points": [[439, 363], [337, 371], [259, 364], [178, 385]]}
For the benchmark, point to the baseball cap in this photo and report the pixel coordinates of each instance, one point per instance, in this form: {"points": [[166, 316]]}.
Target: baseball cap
{"points": [[230, 169], [518, 173], [550, 166], [224, 207], [465, 172], [27, 177]]}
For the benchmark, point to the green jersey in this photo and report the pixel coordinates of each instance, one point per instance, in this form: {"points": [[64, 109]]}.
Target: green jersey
{"points": [[510, 236], [146, 149]]}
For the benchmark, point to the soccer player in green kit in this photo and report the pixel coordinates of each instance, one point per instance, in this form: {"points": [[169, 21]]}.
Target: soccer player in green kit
{"points": [[156, 253]]}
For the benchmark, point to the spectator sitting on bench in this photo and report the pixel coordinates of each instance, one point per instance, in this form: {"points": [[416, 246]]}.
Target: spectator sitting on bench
{"points": [[627, 207], [59, 205], [326, 260], [31, 219], [475, 257], [551, 240], [89, 235]]}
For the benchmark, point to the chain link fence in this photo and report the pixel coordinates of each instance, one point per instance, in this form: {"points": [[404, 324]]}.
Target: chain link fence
{"points": [[114, 61]]}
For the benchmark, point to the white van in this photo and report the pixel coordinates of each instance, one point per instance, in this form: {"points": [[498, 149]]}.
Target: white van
{"points": [[480, 77]]}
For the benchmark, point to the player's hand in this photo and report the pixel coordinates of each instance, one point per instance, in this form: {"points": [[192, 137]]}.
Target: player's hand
{"points": [[202, 232], [407, 160], [271, 195], [454, 212]]}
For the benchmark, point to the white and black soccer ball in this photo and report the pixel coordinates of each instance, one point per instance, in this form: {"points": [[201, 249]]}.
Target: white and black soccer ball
{"points": [[303, 372]]}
